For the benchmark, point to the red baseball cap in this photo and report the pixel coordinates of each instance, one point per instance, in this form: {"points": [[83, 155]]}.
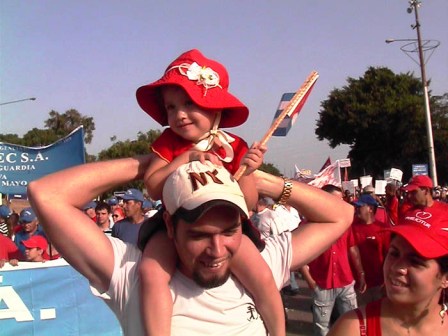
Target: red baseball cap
{"points": [[426, 230], [419, 181], [205, 81], [36, 241]]}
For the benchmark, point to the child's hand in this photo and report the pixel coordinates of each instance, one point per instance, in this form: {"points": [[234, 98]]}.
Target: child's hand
{"points": [[254, 157], [205, 156]]}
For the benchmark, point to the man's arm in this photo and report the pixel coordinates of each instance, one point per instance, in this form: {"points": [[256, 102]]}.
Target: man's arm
{"points": [[57, 199], [328, 216], [305, 270], [355, 259]]}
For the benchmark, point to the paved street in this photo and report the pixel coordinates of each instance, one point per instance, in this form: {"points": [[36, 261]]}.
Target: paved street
{"points": [[298, 310]]}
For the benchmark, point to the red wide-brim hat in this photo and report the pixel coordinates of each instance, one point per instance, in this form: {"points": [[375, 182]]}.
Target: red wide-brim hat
{"points": [[205, 81]]}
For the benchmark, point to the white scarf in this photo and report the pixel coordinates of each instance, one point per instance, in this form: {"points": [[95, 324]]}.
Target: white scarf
{"points": [[218, 137]]}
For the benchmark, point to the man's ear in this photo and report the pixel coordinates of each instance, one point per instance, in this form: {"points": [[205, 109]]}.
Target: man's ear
{"points": [[169, 224]]}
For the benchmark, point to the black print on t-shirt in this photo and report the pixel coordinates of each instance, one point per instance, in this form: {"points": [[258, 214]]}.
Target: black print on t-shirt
{"points": [[252, 312]]}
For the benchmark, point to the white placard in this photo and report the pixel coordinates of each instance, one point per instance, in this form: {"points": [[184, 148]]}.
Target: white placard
{"points": [[396, 174], [380, 187], [343, 163], [348, 185], [365, 181]]}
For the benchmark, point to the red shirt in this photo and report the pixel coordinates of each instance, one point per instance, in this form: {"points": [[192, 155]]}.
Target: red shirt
{"points": [[392, 210], [332, 268], [373, 243], [436, 208], [169, 145], [8, 249]]}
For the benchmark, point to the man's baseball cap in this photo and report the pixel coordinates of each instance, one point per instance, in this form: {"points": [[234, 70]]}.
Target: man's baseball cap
{"points": [[90, 205], [147, 204], [133, 195], [194, 188], [419, 181], [426, 230], [365, 199], [195, 184], [112, 201], [5, 211], [36, 241], [27, 215]]}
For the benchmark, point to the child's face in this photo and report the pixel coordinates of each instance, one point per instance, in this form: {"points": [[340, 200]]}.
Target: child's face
{"points": [[185, 118]]}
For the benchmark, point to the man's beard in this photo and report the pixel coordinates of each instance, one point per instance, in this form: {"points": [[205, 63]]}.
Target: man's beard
{"points": [[211, 282]]}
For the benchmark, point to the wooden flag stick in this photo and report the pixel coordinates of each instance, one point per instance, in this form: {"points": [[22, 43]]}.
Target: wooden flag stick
{"points": [[292, 105]]}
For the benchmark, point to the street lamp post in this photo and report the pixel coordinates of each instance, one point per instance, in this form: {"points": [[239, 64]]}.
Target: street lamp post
{"points": [[17, 101], [413, 6]]}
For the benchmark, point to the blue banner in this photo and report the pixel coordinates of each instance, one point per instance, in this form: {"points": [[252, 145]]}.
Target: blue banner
{"points": [[19, 164], [51, 298]]}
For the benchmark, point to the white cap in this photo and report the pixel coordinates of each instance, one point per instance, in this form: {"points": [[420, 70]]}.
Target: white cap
{"points": [[196, 183]]}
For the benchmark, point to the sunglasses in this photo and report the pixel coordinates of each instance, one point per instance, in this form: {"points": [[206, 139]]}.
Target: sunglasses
{"points": [[114, 215]]}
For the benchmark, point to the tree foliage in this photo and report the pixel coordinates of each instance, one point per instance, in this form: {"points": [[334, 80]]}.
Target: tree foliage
{"points": [[127, 148], [270, 168], [57, 126], [381, 117], [64, 124]]}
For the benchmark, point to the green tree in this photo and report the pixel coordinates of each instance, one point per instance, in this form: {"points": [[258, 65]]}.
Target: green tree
{"points": [[128, 148], [381, 116], [57, 126], [270, 168], [63, 124]]}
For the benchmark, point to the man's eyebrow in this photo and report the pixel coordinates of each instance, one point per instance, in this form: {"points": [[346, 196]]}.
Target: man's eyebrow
{"points": [[199, 231]]}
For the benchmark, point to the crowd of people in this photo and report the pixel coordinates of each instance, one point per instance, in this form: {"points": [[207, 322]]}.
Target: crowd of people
{"points": [[23, 239], [213, 255]]}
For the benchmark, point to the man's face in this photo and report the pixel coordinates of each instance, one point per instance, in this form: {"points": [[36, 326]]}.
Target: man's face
{"points": [[102, 216], [206, 247], [132, 208], [29, 226], [33, 254], [363, 212], [418, 196]]}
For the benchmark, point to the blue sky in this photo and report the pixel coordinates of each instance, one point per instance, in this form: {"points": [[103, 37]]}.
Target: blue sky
{"points": [[93, 55]]}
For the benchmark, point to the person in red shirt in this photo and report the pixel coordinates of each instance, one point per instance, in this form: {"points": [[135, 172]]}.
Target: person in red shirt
{"points": [[89, 210], [331, 279], [391, 204], [373, 243], [419, 191], [9, 252], [415, 281], [36, 249]]}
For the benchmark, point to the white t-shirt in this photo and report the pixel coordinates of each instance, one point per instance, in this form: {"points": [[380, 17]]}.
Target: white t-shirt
{"points": [[290, 218], [268, 222], [224, 310]]}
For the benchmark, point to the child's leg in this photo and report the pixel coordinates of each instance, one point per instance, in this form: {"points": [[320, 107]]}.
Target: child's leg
{"points": [[256, 276], [156, 268]]}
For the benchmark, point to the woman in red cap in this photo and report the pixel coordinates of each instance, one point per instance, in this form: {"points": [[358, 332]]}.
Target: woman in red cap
{"points": [[192, 98], [415, 279]]}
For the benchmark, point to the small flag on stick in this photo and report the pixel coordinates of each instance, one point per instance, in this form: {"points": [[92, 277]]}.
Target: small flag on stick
{"points": [[294, 106], [291, 117]]}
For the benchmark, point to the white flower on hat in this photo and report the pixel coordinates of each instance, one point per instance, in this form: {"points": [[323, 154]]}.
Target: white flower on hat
{"points": [[205, 76]]}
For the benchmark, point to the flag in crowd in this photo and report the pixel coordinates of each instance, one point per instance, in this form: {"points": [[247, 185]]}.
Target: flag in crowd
{"points": [[291, 117], [329, 175], [326, 164]]}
